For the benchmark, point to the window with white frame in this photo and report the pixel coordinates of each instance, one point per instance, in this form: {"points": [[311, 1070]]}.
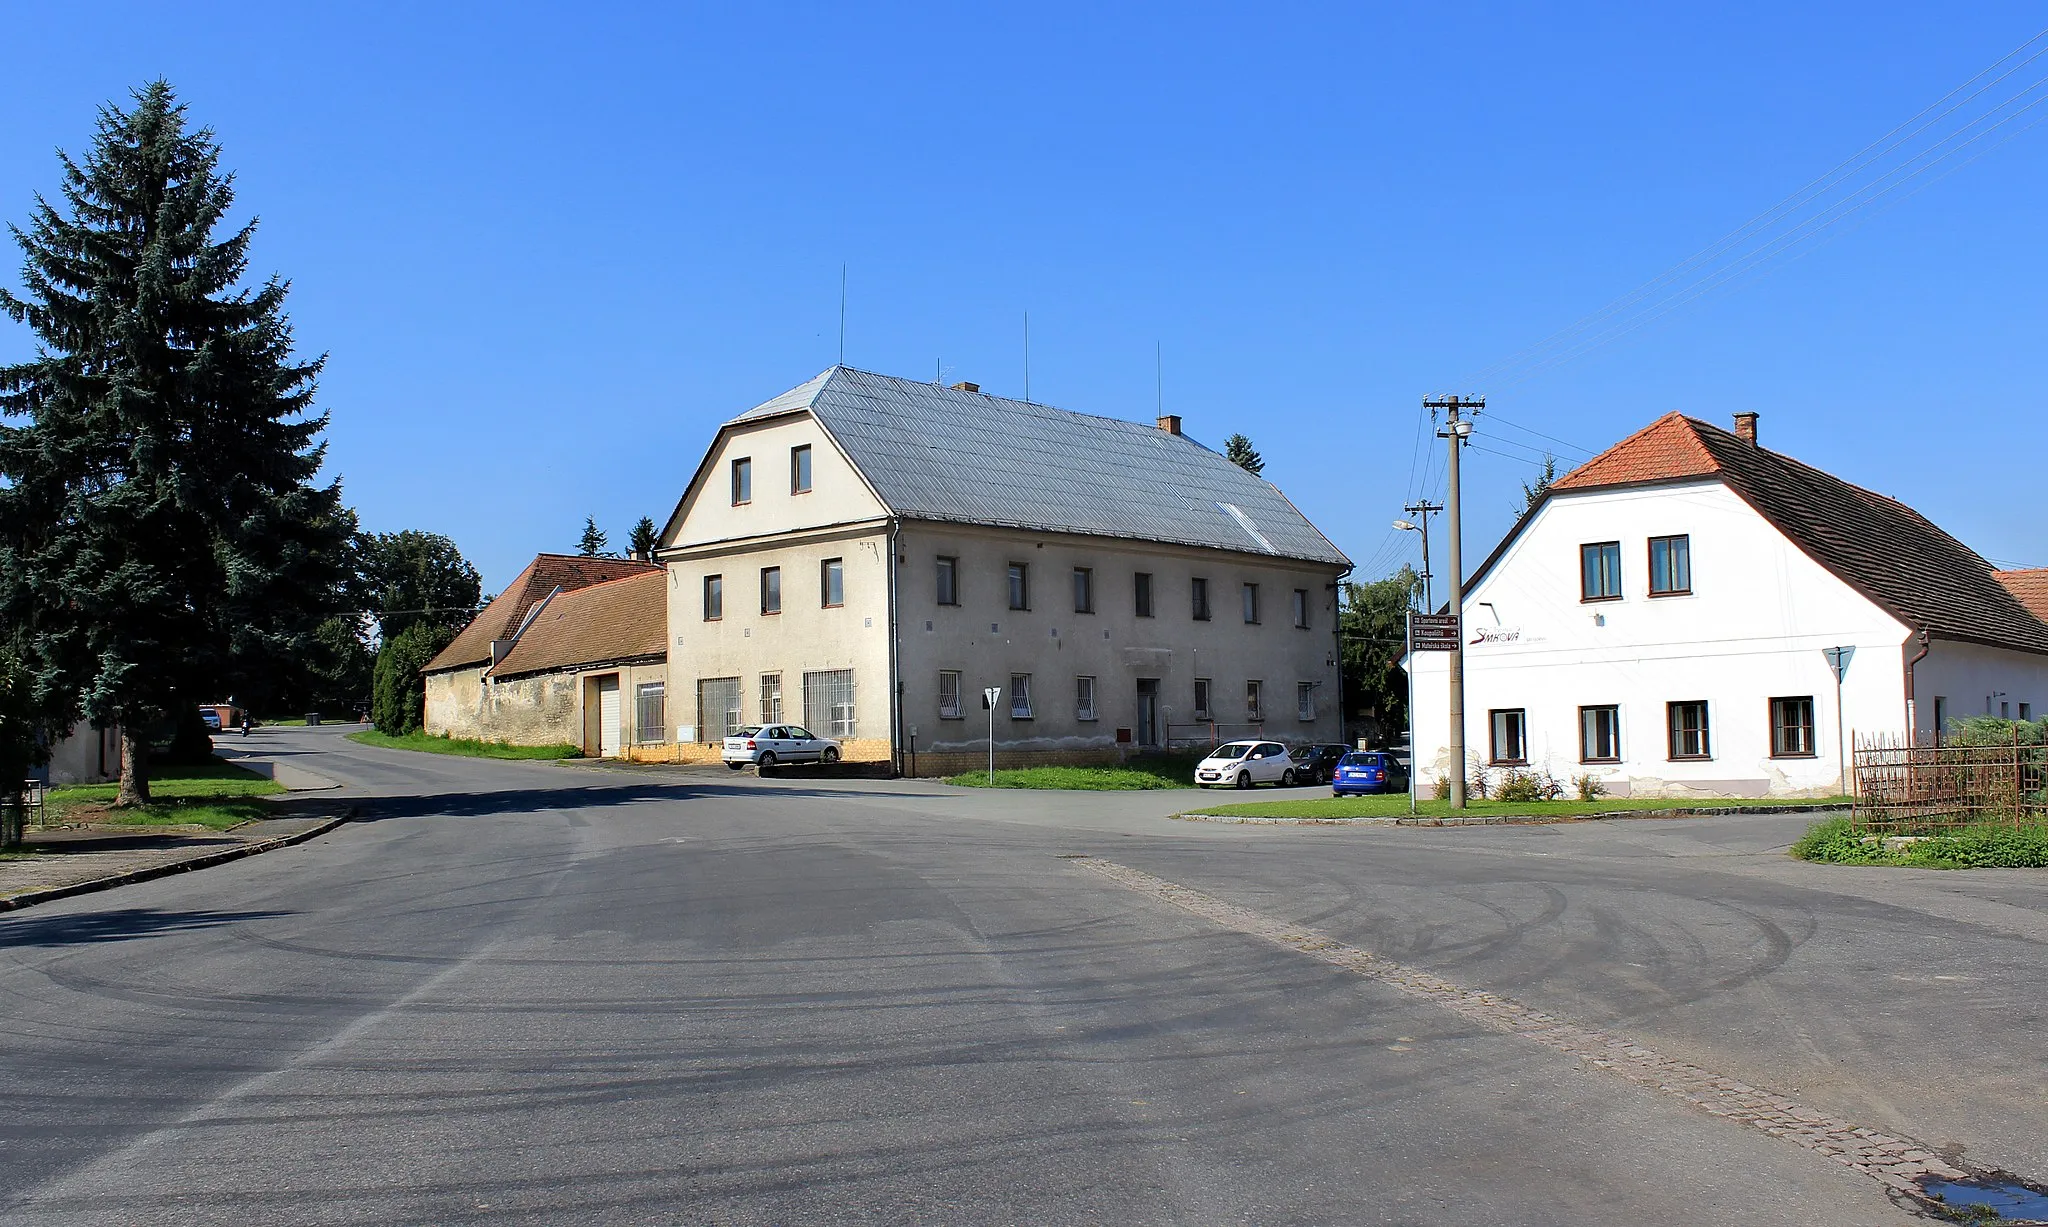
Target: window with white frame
{"points": [[771, 698], [1084, 698], [828, 702], [1020, 696], [949, 695]]}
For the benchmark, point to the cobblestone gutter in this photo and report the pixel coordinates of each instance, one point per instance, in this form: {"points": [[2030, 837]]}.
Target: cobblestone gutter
{"points": [[1900, 1163]]}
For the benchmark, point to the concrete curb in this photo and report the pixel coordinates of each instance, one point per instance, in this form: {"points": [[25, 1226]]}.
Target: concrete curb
{"points": [[203, 861], [1490, 820]]}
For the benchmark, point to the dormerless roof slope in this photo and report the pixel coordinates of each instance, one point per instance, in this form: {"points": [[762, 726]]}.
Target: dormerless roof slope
{"points": [[2030, 586], [936, 453], [1877, 545], [501, 618], [617, 620]]}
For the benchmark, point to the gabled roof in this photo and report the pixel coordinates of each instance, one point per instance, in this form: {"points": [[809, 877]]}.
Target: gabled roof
{"points": [[1884, 549], [501, 618], [937, 453], [617, 620], [2030, 586]]}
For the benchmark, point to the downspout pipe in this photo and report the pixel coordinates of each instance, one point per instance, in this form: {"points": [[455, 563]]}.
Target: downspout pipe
{"points": [[895, 656], [1912, 711]]}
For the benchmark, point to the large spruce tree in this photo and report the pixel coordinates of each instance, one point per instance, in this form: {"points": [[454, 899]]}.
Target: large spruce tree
{"points": [[161, 535]]}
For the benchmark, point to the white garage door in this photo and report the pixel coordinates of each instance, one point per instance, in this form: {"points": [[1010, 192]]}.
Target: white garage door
{"points": [[608, 738]]}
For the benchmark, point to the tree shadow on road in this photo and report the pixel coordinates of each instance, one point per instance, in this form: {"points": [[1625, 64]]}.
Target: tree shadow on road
{"points": [[586, 797], [115, 926]]}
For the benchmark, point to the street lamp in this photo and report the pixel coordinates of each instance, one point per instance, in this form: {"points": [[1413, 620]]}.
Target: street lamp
{"points": [[1423, 528]]}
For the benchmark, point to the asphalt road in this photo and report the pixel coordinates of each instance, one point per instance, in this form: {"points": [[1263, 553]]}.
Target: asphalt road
{"points": [[542, 993]]}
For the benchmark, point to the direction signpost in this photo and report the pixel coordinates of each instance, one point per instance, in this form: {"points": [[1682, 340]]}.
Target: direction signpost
{"points": [[1433, 632]]}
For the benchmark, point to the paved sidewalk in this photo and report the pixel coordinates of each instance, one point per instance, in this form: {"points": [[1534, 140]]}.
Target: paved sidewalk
{"points": [[73, 857]]}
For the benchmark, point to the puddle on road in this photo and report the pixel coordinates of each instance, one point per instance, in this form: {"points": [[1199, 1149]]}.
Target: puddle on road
{"points": [[2008, 1201]]}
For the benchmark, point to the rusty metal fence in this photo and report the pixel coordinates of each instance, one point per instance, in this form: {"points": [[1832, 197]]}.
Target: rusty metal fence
{"points": [[1909, 786]]}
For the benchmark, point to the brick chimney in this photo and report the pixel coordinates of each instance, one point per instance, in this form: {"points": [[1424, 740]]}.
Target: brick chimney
{"points": [[964, 386], [1170, 423], [1745, 428]]}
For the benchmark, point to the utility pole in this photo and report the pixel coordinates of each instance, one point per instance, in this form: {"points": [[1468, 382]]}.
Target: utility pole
{"points": [[1456, 430]]}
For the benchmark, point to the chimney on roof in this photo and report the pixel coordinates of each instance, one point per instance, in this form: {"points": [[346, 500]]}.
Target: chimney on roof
{"points": [[1745, 428], [1170, 423], [964, 386]]}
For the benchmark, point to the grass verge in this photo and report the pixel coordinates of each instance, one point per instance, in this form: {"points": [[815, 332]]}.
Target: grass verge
{"points": [[1988, 846], [208, 781], [1396, 806], [1144, 773], [213, 815], [430, 744]]}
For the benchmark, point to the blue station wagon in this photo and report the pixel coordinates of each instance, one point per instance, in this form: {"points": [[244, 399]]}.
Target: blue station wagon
{"points": [[1364, 771]]}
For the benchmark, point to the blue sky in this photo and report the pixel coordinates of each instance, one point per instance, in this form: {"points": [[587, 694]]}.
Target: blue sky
{"points": [[549, 249]]}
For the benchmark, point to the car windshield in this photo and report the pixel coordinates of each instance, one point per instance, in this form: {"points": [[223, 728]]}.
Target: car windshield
{"points": [[1236, 749]]}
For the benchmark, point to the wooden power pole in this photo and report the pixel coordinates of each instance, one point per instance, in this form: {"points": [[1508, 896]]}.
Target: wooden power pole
{"points": [[1456, 430]]}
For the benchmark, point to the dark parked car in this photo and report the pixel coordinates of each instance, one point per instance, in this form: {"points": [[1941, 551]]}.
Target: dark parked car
{"points": [[1316, 764], [1364, 771]]}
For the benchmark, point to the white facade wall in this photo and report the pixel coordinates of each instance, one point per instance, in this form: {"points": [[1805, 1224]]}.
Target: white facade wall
{"points": [[1966, 679], [1752, 629]]}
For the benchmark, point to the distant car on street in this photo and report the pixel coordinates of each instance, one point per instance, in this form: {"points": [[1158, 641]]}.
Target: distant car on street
{"points": [[766, 745], [1245, 763], [1317, 764], [210, 718], [1368, 771]]}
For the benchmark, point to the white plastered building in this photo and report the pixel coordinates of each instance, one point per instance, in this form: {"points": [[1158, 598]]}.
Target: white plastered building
{"points": [[1661, 621]]}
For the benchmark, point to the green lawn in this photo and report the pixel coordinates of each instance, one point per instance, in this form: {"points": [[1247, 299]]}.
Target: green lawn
{"points": [[216, 795], [218, 778], [1396, 806], [1141, 773], [431, 744], [1991, 845]]}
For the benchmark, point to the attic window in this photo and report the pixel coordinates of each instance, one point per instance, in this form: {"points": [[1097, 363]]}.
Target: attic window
{"points": [[1600, 571], [800, 469], [742, 480]]}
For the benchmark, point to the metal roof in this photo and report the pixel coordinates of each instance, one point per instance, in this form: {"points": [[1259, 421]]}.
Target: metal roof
{"points": [[936, 453]]}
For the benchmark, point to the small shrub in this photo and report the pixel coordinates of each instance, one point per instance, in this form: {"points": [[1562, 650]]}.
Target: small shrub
{"points": [[1590, 786], [1441, 790], [1519, 785], [1836, 841]]}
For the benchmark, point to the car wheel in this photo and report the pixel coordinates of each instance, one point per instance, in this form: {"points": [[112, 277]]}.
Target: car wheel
{"points": [[1244, 779], [766, 761], [1287, 778], [831, 754]]}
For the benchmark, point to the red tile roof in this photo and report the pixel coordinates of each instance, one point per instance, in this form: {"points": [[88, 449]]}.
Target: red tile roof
{"points": [[2030, 586], [501, 618], [1884, 549], [618, 620]]}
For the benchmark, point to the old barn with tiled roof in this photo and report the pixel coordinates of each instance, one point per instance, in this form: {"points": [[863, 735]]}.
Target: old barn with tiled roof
{"points": [[1660, 619]]}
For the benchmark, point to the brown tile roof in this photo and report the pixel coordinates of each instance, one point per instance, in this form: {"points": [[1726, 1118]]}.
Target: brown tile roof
{"points": [[502, 616], [2030, 586], [620, 619], [1877, 545]]}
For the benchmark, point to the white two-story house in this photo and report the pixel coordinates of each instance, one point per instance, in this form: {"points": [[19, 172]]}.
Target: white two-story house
{"points": [[1661, 621], [867, 555]]}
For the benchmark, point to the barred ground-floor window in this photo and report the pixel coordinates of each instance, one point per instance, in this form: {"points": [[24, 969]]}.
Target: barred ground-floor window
{"points": [[650, 711], [828, 702], [718, 708], [771, 698]]}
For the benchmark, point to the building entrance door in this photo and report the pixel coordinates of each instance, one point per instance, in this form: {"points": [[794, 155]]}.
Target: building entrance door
{"points": [[608, 731], [1148, 711]]}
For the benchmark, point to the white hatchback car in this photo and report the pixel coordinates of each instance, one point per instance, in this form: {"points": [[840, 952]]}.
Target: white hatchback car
{"points": [[1245, 763], [777, 743]]}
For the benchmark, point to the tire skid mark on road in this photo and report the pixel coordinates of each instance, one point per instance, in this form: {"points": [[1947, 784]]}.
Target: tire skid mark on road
{"points": [[1900, 1163]]}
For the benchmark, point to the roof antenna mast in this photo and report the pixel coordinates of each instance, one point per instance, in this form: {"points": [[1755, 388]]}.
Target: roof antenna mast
{"points": [[1158, 380], [1027, 357], [842, 314]]}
